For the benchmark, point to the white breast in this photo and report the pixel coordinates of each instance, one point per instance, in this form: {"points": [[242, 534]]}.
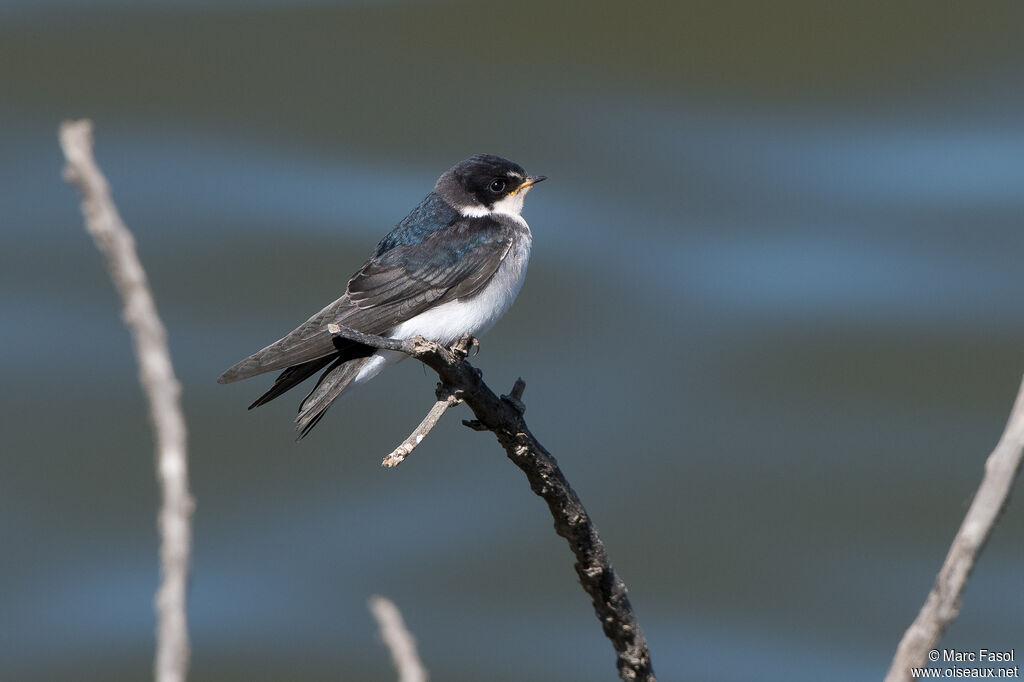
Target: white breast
{"points": [[447, 322], [475, 315]]}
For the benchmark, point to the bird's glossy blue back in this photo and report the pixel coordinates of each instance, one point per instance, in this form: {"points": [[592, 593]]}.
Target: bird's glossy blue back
{"points": [[432, 214]]}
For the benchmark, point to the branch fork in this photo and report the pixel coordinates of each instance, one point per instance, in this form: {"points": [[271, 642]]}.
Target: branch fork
{"points": [[503, 416], [416, 347], [446, 398], [460, 382]]}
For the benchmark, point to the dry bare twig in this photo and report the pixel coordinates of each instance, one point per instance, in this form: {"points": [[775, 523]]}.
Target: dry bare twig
{"points": [[504, 418], [460, 382], [445, 399], [398, 455], [943, 603], [162, 390], [398, 640]]}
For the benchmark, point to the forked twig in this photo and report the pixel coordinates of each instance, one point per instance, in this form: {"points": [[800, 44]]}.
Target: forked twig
{"points": [[398, 455], [504, 418]]}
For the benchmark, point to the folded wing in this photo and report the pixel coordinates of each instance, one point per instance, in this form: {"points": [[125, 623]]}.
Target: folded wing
{"points": [[392, 287]]}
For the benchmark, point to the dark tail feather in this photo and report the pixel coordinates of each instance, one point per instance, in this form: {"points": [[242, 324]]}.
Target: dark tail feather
{"points": [[296, 374], [331, 384], [291, 377]]}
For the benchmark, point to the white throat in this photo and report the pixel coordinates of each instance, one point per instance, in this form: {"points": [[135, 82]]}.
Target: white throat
{"points": [[511, 205]]}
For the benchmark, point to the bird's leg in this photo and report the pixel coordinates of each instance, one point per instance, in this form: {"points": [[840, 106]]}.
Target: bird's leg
{"points": [[465, 342]]}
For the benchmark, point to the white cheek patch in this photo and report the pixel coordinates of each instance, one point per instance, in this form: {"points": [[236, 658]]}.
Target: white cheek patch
{"points": [[478, 211], [513, 204]]}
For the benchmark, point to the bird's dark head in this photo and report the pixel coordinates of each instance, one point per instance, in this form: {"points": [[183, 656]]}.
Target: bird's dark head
{"points": [[484, 184]]}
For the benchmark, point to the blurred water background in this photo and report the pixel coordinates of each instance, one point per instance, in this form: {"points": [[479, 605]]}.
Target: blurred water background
{"points": [[771, 329]]}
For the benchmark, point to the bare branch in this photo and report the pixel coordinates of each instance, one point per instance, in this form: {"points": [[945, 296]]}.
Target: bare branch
{"points": [[504, 418], [943, 603], [398, 640], [399, 454], [378, 342], [162, 390]]}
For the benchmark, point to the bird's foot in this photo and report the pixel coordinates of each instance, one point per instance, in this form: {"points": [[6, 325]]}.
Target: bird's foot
{"points": [[466, 342]]}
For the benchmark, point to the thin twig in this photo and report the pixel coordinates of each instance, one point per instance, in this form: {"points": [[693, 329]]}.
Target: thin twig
{"points": [[399, 454], [504, 418], [398, 640], [379, 342], [943, 602], [162, 389], [445, 398]]}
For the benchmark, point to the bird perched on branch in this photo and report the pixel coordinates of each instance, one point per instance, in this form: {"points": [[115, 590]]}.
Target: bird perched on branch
{"points": [[452, 266]]}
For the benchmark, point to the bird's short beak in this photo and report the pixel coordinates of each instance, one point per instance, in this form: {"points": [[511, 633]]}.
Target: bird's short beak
{"points": [[529, 182]]}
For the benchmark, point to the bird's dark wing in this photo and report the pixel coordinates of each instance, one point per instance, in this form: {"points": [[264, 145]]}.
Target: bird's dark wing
{"points": [[310, 341], [449, 264], [392, 287]]}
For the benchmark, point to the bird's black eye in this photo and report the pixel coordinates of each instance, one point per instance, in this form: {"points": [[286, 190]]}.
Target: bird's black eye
{"points": [[498, 186]]}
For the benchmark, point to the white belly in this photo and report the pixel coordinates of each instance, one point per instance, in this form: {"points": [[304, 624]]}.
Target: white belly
{"points": [[449, 321]]}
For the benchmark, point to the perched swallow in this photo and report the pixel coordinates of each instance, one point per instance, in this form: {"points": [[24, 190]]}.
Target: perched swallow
{"points": [[452, 266]]}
